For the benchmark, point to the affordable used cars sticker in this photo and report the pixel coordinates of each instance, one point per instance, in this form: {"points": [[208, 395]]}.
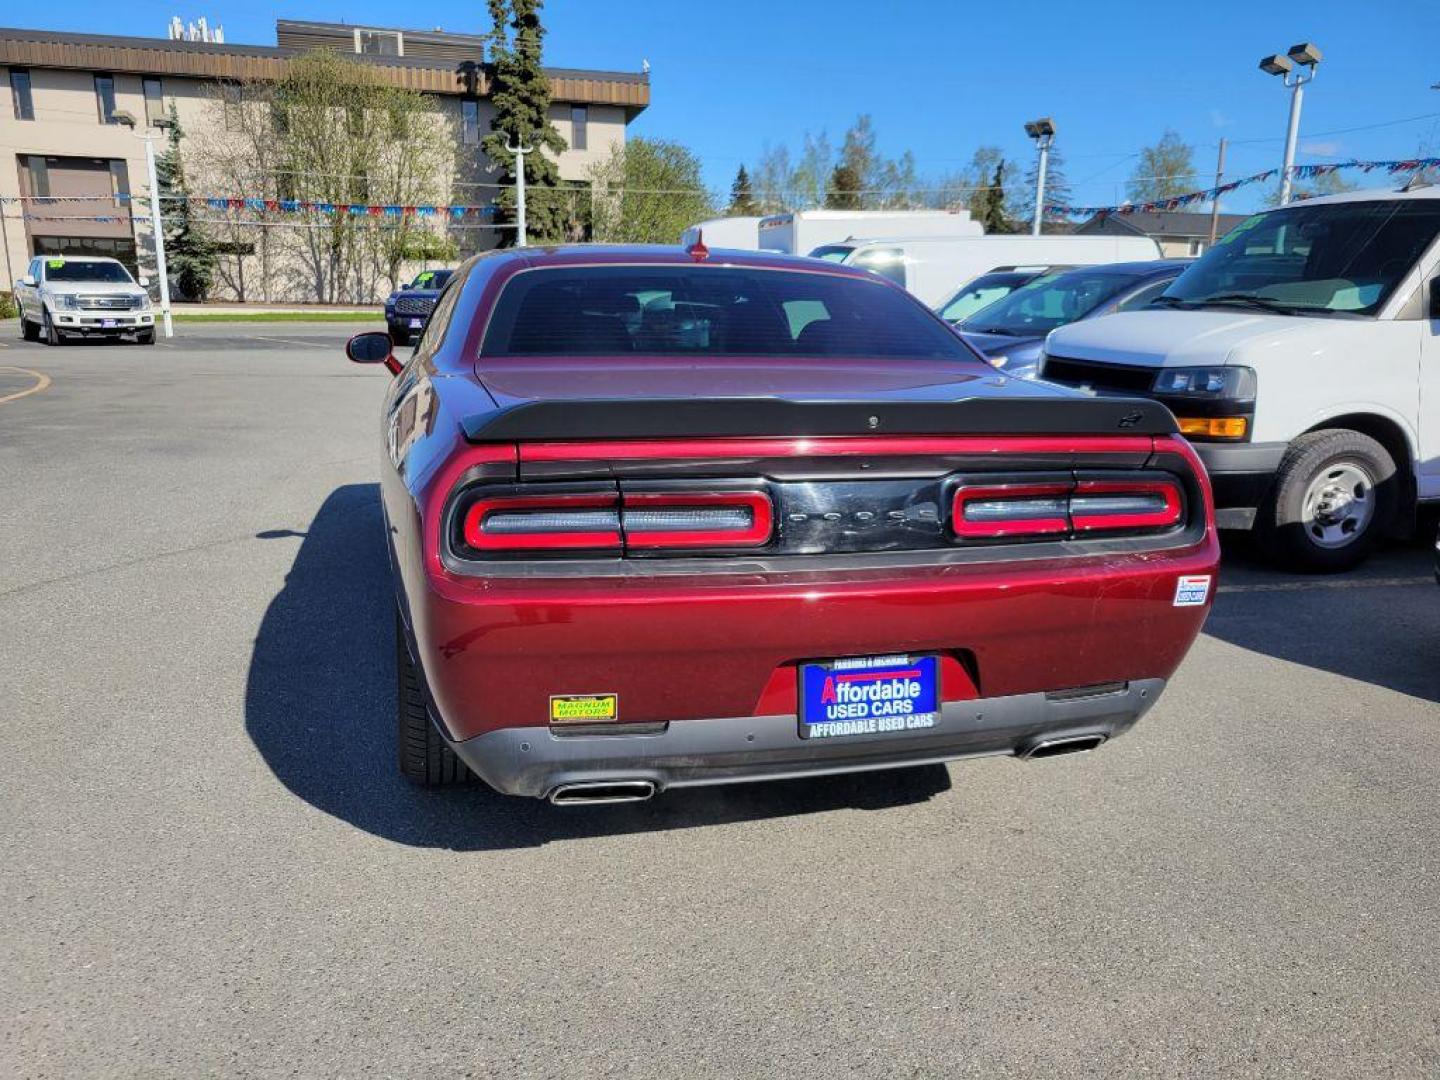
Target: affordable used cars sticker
{"points": [[584, 708], [1192, 590]]}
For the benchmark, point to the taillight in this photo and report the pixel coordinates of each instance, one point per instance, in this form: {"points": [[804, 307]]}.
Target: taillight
{"points": [[1125, 504], [989, 511], [1020, 509], [543, 523], [730, 519], [610, 521]]}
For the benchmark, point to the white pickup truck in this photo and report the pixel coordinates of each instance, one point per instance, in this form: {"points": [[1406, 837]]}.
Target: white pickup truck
{"points": [[1302, 357], [82, 296]]}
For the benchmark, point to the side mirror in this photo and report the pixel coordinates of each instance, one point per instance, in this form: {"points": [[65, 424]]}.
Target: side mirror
{"points": [[144, 281], [405, 287], [28, 279], [373, 347]]}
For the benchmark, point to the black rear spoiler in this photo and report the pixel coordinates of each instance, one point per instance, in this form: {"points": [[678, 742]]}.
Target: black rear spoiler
{"points": [[665, 418]]}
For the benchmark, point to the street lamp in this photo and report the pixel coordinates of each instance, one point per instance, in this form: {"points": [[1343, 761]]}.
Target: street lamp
{"points": [[128, 119], [1043, 132], [519, 152], [1296, 69]]}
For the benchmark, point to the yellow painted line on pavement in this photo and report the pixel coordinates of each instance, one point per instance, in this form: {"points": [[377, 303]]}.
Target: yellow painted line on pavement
{"points": [[41, 382]]}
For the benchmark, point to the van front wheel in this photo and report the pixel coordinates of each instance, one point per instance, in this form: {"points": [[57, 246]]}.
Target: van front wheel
{"points": [[1334, 496]]}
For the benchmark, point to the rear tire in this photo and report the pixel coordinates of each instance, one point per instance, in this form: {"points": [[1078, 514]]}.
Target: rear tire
{"points": [[48, 331], [424, 757], [1335, 495]]}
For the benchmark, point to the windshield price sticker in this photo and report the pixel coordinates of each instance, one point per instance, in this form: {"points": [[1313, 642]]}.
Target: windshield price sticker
{"points": [[870, 696], [54, 264]]}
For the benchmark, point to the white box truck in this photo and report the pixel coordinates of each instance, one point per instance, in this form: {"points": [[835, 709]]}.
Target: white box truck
{"points": [[933, 268], [739, 232], [802, 231], [1301, 355]]}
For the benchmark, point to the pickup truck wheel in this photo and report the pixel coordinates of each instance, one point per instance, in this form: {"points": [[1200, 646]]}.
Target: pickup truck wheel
{"points": [[28, 330], [400, 335], [145, 337], [424, 757], [48, 331], [1335, 496]]}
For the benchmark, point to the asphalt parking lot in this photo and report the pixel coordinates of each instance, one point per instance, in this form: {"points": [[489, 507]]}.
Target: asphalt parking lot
{"points": [[212, 866]]}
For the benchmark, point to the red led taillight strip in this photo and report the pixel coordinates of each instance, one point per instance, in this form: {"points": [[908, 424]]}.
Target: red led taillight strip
{"points": [[1144, 516], [756, 534], [1035, 510], [550, 538]]}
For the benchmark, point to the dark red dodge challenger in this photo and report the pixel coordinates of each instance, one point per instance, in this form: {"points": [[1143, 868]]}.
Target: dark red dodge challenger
{"points": [[664, 517]]}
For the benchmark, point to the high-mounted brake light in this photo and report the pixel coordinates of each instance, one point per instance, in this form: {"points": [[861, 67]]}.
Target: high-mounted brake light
{"points": [[696, 520], [543, 523]]}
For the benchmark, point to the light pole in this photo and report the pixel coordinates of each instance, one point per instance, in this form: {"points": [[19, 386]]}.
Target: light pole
{"points": [[1043, 132], [1292, 69], [519, 152], [156, 225]]}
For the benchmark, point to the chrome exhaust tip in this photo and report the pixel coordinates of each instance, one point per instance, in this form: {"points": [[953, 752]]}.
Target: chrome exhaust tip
{"points": [[602, 792], [1063, 744]]}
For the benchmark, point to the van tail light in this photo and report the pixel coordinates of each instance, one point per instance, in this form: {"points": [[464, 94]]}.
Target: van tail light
{"points": [[543, 523], [993, 511], [986, 511], [1125, 504], [729, 519]]}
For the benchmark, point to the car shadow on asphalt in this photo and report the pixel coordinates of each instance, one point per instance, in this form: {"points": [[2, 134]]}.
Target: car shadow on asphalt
{"points": [[320, 706], [1379, 623]]}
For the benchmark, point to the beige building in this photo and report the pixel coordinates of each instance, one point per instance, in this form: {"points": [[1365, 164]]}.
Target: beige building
{"points": [[59, 139]]}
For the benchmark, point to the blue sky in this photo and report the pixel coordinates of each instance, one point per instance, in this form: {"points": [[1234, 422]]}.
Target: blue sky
{"points": [[941, 78]]}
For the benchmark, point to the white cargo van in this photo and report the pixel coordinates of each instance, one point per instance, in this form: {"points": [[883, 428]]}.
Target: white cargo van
{"points": [[1301, 355], [802, 231], [932, 268], [740, 232]]}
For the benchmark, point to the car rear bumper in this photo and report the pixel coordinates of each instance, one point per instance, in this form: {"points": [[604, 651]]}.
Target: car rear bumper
{"points": [[690, 753]]}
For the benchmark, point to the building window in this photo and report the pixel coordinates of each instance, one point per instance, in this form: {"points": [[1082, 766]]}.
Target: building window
{"points": [[233, 103], [579, 137], [39, 177], [20, 94], [470, 121], [280, 119], [120, 182], [378, 43], [105, 98], [154, 101]]}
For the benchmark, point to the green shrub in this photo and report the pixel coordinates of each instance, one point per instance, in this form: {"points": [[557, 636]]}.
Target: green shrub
{"points": [[8, 308]]}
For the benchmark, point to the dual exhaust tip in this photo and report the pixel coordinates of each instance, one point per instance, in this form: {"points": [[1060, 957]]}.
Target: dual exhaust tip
{"points": [[1061, 744], [603, 792]]}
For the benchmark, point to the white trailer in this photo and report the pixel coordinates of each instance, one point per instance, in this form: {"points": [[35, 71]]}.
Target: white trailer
{"points": [[934, 267], [738, 232], [801, 232]]}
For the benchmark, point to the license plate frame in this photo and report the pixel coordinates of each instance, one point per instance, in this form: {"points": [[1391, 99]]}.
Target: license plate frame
{"points": [[868, 696], [109, 324], [416, 324]]}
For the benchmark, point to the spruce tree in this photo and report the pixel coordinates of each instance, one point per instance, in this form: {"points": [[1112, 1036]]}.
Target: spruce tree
{"points": [[189, 256], [742, 198], [521, 96], [844, 189]]}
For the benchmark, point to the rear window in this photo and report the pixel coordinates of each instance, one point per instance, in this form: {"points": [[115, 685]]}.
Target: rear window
{"points": [[716, 311]]}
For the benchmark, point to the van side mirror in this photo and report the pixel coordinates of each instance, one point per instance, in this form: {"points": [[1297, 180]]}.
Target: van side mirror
{"points": [[373, 347]]}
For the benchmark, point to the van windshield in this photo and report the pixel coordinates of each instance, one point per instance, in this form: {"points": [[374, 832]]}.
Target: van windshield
{"points": [[1325, 259]]}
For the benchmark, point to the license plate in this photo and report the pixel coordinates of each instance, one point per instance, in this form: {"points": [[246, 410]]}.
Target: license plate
{"points": [[875, 695], [108, 323], [415, 324]]}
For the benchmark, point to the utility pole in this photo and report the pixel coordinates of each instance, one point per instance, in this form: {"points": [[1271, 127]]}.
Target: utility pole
{"points": [[1215, 202], [519, 152], [5, 244]]}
